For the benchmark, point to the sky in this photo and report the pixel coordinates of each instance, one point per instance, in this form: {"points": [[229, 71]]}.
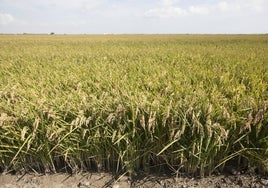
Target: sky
{"points": [[134, 16]]}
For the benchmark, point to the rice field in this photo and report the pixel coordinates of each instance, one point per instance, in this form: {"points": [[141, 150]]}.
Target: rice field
{"points": [[190, 104]]}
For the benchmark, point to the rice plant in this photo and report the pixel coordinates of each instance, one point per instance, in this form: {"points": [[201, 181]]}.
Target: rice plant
{"points": [[128, 103]]}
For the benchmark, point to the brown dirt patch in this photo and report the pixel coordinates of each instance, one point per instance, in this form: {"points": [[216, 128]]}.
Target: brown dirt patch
{"points": [[92, 180]]}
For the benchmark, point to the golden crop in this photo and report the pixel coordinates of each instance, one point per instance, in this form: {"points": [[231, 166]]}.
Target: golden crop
{"points": [[125, 103]]}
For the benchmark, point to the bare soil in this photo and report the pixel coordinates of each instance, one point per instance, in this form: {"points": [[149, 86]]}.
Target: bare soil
{"points": [[95, 180]]}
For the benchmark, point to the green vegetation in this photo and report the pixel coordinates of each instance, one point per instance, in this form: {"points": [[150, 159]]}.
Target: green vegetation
{"points": [[189, 103]]}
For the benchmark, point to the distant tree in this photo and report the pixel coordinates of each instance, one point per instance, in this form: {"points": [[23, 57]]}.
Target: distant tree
{"points": [[52, 33]]}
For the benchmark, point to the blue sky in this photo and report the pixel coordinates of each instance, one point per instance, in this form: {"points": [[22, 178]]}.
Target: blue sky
{"points": [[133, 16]]}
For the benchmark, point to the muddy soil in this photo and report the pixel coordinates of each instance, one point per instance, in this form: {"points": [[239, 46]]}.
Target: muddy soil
{"points": [[95, 180]]}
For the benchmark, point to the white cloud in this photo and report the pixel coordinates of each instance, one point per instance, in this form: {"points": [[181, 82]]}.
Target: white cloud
{"points": [[168, 11], [165, 12], [168, 2], [91, 5], [6, 18], [198, 10], [241, 5], [223, 6], [229, 6], [131, 16], [171, 8]]}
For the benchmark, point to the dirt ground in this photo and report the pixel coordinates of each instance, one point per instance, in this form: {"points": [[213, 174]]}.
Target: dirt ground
{"points": [[92, 180]]}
